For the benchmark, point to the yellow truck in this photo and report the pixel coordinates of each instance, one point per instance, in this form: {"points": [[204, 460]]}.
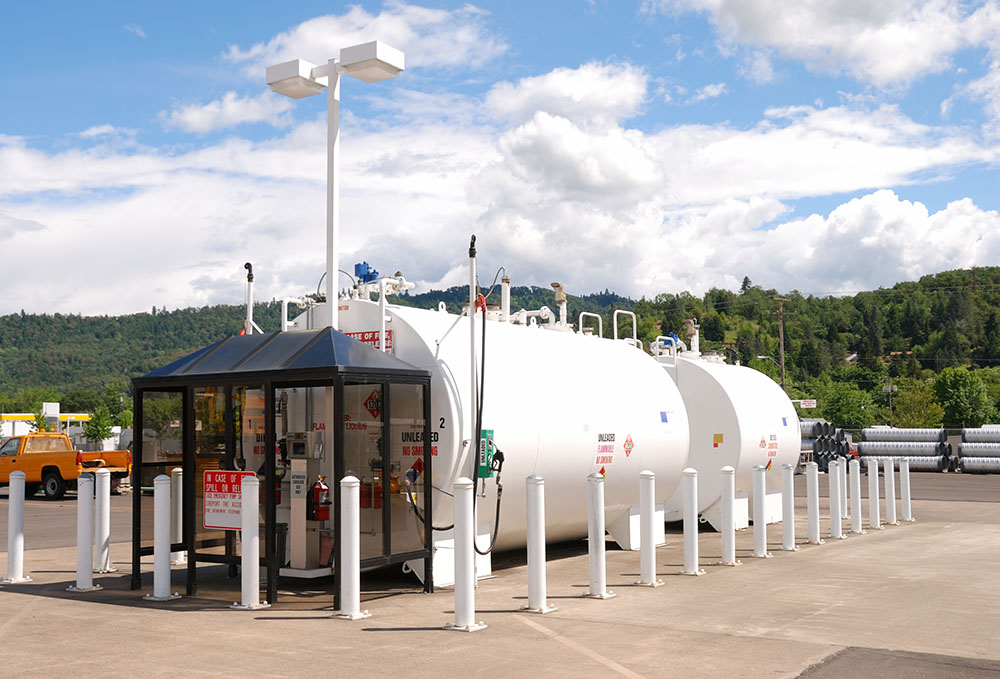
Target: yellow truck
{"points": [[50, 462]]}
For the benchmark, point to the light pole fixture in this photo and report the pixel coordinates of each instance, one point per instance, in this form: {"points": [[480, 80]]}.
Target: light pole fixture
{"points": [[780, 367], [370, 62]]}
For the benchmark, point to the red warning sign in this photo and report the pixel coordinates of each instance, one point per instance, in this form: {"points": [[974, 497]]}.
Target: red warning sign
{"points": [[603, 472], [373, 404], [628, 445]]}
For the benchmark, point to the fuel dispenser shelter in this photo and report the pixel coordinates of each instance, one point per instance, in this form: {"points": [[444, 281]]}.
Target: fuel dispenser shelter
{"points": [[274, 404]]}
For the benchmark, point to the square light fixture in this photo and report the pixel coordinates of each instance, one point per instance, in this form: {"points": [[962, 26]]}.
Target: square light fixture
{"points": [[372, 61], [294, 79]]}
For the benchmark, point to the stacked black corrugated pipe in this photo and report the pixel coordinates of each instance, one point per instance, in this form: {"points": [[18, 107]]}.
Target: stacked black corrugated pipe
{"points": [[979, 451], [824, 441], [926, 449]]}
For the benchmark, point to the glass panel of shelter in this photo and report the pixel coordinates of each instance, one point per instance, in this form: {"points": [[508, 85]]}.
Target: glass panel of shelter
{"points": [[364, 458], [406, 466], [161, 448]]}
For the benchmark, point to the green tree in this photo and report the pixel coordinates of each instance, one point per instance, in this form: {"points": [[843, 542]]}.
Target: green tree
{"points": [[40, 423], [963, 397], [99, 426], [847, 406], [914, 406]]}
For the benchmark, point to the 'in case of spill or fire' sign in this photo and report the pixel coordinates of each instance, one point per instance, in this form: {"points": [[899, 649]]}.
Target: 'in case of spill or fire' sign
{"points": [[223, 499]]}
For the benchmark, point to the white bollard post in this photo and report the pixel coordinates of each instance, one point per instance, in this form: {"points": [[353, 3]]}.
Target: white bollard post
{"points": [[102, 524], [759, 522], [647, 530], [177, 515], [465, 566], [535, 499], [788, 507], [842, 466], [728, 529], [15, 531], [873, 516], [904, 490], [689, 478], [595, 538], [856, 497], [84, 535], [812, 502], [161, 541], [250, 546], [350, 555], [890, 492], [833, 479]]}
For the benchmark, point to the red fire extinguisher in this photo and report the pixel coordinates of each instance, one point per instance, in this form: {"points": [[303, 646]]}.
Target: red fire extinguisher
{"points": [[318, 508]]}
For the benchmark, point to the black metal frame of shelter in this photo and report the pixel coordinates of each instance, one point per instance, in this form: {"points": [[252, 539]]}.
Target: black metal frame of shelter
{"points": [[270, 361]]}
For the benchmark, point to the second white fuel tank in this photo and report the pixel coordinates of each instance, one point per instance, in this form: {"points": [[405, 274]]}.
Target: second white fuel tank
{"points": [[738, 417]]}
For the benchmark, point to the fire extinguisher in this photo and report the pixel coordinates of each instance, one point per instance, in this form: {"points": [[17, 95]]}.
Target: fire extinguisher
{"points": [[318, 501]]}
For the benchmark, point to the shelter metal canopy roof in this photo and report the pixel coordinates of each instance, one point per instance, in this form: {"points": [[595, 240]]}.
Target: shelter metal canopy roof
{"points": [[279, 356]]}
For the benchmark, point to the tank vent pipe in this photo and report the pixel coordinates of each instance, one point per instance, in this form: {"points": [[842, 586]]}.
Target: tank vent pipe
{"points": [[729, 517], [15, 530], [85, 536], [759, 521], [788, 507], [874, 523], [647, 530], [595, 538], [535, 498], [689, 499], [161, 541], [812, 502], [505, 298]]}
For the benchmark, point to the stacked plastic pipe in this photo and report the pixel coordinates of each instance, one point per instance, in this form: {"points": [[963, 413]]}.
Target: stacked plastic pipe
{"points": [[824, 441], [926, 449], [979, 451]]}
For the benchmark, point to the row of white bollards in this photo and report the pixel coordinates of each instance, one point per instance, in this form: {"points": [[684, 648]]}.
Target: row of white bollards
{"points": [[787, 507]]}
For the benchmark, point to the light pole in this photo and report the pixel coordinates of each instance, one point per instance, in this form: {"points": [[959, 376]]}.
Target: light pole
{"points": [[370, 62], [780, 367]]}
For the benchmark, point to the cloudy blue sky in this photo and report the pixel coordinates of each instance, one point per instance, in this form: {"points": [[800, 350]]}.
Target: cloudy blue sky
{"points": [[651, 146]]}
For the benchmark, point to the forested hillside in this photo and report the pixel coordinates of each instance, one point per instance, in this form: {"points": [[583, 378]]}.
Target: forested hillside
{"points": [[913, 342]]}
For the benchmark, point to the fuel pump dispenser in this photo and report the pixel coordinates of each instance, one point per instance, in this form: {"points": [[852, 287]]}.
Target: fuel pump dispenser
{"points": [[310, 503]]}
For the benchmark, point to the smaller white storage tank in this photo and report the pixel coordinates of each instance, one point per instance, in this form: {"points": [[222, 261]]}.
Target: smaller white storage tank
{"points": [[738, 417]]}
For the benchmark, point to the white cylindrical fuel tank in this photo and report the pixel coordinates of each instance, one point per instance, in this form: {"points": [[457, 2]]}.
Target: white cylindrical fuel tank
{"points": [[738, 417], [561, 405]]}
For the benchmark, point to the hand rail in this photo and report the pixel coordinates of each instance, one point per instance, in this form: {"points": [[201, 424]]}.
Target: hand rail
{"points": [[590, 314], [635, 325]]}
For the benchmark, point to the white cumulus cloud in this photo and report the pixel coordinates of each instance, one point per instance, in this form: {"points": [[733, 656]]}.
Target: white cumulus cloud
{"points": [[230, 110], [431, 38]]}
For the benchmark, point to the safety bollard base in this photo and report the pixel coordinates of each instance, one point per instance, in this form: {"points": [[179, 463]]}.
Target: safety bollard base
{"points": [[169, 597], [74, 588], [547, 608], [765, 555], [466, 628], [340, 615], [250, 607], [655, 583], [821, 541], [729, 563], [14, 581], [606, 595], [104, 571], [700, 571], [790, 549]]}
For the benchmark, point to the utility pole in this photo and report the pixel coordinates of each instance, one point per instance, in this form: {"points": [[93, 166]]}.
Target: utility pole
{"points": [[781, 336]]}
